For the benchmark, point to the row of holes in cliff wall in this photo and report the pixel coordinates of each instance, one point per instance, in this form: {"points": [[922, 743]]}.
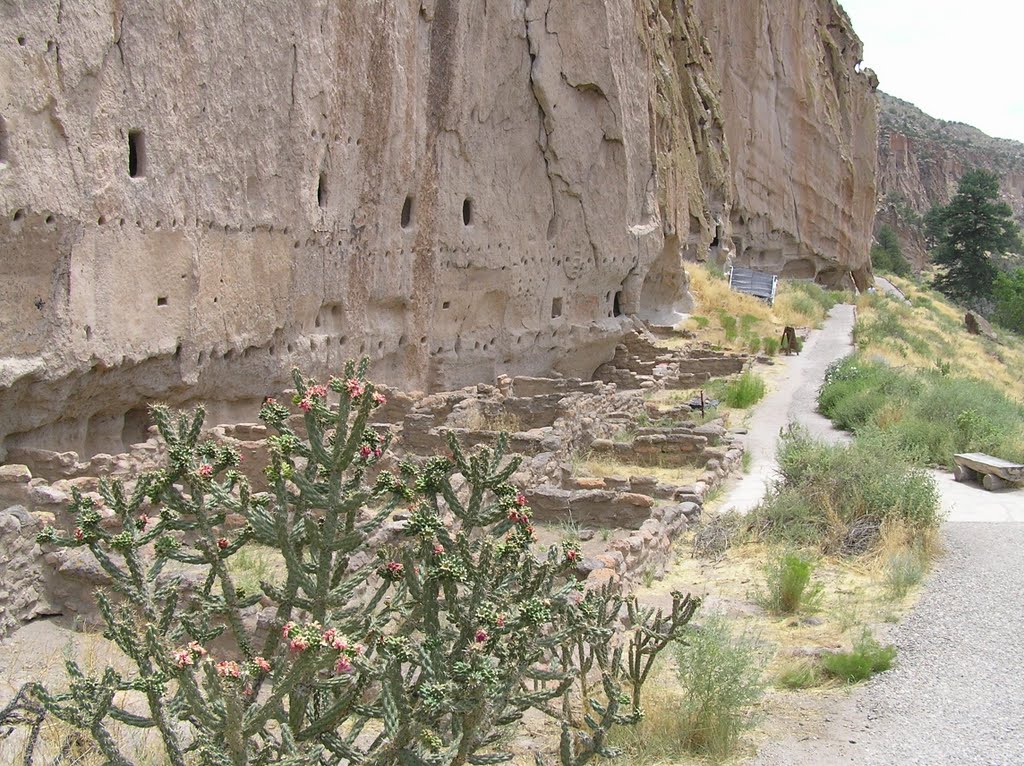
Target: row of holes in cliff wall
{"points": [[194, 203]]}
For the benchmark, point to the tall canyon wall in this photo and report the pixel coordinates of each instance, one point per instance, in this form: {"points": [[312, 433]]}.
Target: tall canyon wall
{"points": [[195, 197], [920, 161]]}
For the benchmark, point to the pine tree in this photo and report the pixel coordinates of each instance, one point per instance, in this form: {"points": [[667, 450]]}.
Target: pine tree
{"points": [[970, 229]]}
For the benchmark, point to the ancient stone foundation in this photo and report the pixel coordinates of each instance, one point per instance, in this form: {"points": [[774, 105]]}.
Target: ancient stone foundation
{"points": [[626, 523]]}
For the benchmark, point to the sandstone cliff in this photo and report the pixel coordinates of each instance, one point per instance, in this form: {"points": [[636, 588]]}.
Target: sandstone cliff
{"points": [[920, 161], [197, 197]]}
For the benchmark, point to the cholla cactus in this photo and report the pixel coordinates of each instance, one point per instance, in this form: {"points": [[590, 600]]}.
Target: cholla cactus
{"points": [[427, 654]]}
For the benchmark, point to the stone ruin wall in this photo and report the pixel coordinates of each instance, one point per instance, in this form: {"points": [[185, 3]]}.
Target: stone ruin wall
{"points": [[196, 197]]}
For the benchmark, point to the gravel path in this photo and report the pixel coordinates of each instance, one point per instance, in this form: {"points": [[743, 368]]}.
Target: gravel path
{"points": [[956, 695]]}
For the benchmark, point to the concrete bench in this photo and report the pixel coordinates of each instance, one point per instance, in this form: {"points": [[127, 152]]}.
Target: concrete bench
{"points": [[991, 472]]}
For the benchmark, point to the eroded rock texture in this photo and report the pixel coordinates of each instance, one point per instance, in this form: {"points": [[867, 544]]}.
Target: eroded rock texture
{"points": [[920, 161], [801, 123], [196, 197]]}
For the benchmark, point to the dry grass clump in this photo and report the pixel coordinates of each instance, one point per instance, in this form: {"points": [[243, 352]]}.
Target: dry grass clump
{"points": [[606, 467], [929, 334], [744, 323]]}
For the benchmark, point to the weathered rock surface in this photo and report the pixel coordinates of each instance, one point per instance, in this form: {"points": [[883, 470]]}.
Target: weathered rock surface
{"points": [[801, 123], [195, 198], [920, 161]]}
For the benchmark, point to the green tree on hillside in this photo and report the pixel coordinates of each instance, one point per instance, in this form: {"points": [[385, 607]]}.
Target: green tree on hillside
{"points": [[1009, 295], [969, 230], [887, 255]]}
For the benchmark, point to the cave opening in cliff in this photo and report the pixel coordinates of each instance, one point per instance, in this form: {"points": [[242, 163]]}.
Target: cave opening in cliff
{"points": [[407, 213], [617, 304], [556, 308], [3, 142], [467, 212], [136, 153], [135, 429], [321, 191]]}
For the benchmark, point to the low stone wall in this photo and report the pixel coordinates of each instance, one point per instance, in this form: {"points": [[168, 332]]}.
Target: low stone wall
{"points": [[24, 594]]}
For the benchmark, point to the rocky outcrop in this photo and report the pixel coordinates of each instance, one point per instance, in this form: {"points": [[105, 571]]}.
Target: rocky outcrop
{"points": [[920, 161], [195, 198]]}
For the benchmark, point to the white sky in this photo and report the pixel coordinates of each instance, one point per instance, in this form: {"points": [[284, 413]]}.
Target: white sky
{"points": [[955, 59]]}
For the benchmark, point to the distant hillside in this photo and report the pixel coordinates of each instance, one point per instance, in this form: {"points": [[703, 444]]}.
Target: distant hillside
{"points": [[920, 161]]}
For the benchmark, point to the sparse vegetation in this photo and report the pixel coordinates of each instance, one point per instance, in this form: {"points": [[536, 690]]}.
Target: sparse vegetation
{"points": [[733, 320], [904, 571], [867, 658], [799, 674]]}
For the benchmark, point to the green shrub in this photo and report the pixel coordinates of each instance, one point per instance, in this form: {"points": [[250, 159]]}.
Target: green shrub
{"points": [[438, 641], [701, 322], [867, 658], [801, 674], [771, 346], [929, 415], [817, 294], [748, 389], [753, 344], [788, 585], [721, 677], [838, 496]]}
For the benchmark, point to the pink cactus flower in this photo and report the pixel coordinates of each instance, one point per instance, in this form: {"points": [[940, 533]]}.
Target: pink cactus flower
{"points": [[305, 405], [142, 522], [183, 658], [520, 499], [355, 388], [222, 543], [261, 664], [379, 399], [377, 452], [438, 549], [365, 451], [481, 636], [342, 665], [229, 669], [318, 391], [79, 534], [299, 644], [287, 629], [206, 470], [395, 568]]}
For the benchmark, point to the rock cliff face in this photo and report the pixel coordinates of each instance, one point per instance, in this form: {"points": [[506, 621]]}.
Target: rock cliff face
{"points": [[920, 161], [194, 198], [801, 124]]}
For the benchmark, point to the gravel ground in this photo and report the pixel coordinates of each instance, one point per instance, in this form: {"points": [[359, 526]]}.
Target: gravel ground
{"points": [[956, 695]]}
